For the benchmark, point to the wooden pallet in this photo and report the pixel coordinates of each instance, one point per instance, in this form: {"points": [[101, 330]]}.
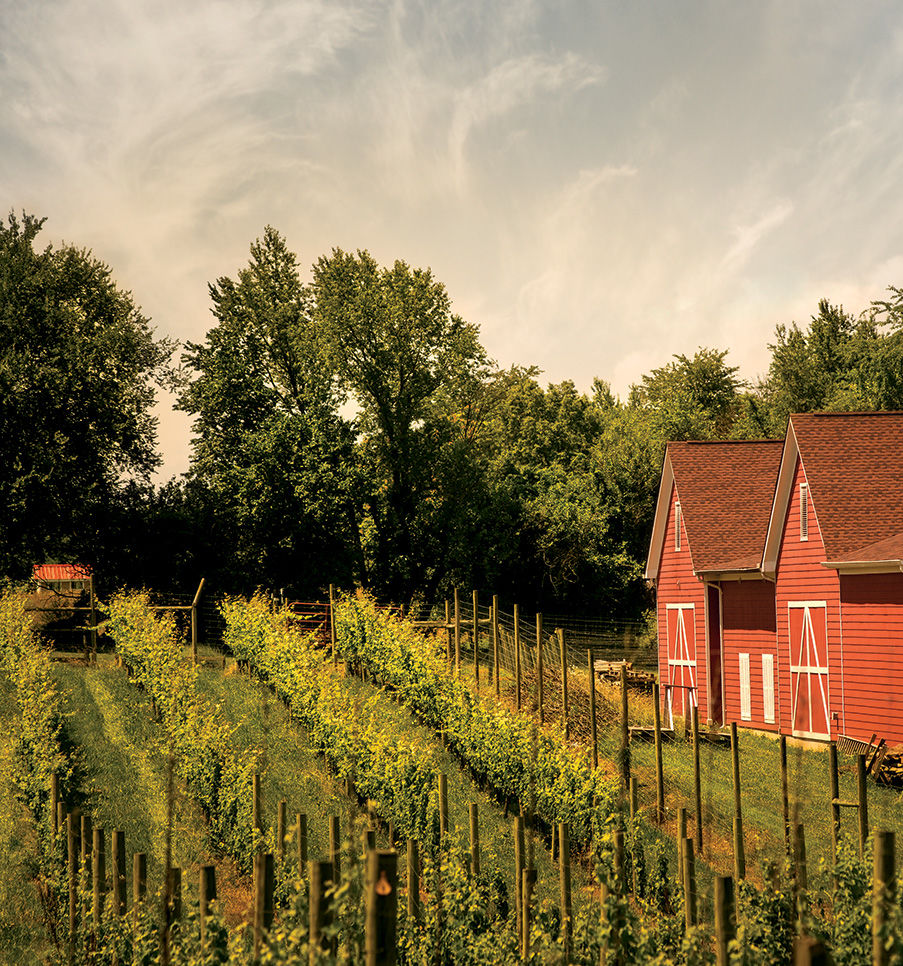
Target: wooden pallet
{"points": [[611, 671]]}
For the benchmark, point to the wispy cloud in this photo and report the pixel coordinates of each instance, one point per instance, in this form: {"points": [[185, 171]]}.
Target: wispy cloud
{"points": [[747, 237]]}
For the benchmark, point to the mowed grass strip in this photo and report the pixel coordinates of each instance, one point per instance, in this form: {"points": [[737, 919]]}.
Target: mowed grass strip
{"points": [[23, 935], [123, 765], [289, 768]]}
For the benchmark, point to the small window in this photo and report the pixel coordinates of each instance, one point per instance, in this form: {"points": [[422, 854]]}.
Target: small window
{"points": [[745, 702], [804, 511], [768, 686], [677, 525]]}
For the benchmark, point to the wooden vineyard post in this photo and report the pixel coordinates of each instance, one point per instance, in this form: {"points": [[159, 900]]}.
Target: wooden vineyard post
{"points": [[659, 769], [99, 878], [72, 820], [800, 873], [725, 918], [301, 840], [206, 895], [443, 805], [476, 641], [457, 635], [697, 778], [539, 670], [381, 904], [633, 798], [118, 880], [517, 661], [332, 647], [413, 880], [565, 722], [863, 797], [320, 877], [618, 861], [370, 839], [256, 816], [564, 869], [884, 885], [175, 893], [139, 884], [54, 802], [335, 849], [739, 850], [449, 641], [194, 622], [474, 839], [785, 795], [93, 621], [519, 865], [689, 874], [593, 726], [495, 643], [280, 830], [625, 733], [681, 835], [834, 778], [265, 881], [529, 881]]}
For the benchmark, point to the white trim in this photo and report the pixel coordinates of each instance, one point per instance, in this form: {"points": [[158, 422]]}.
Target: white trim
{"points": [[678, 517], [666, 487], [768, 688], [745, 688], [781, 502], [804, 512], [851, 568]]}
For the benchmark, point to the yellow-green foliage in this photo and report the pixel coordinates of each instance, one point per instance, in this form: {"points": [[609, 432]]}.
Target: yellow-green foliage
{"points": [[497, 743], [200, 739], [25, 663], [394, 771]]}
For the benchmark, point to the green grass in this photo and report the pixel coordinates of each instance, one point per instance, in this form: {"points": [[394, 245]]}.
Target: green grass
{"points": [[23, 936], [122, 765]]}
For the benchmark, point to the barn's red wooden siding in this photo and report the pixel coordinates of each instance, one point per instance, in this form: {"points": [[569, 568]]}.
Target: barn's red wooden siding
{"points": [[748, 627], [872, 607], [801, 577], [677, 584]]}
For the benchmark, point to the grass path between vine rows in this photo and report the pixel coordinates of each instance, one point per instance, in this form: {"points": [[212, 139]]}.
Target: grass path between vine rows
{"points": [[23, 936]]}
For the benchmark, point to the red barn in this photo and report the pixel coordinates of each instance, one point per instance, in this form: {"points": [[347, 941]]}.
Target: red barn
{"points": [[779, 578], [716, 626], [835, 551]]}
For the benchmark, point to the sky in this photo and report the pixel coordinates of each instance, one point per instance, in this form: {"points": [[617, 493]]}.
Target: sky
{"points": [[599, 183]]}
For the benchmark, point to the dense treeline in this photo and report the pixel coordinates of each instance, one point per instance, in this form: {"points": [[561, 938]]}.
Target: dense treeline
{"points": [[354, 430]]}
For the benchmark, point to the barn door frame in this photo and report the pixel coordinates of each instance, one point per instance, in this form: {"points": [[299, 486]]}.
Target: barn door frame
{"points": [[803, 670], [688, 697]]}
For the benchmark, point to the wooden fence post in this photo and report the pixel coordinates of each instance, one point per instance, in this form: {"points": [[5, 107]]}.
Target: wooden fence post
{"points": [[301, 840], [565, 722], [495, 643], [680, 836], [194, 622], [320, 877], [54, 803], [457, 634], [834, 777], [725, 918], [689, 873], [800, 873], [335, 849], [332, 641], [785, 796], [539, 670], [474, 839], [449, 639], [517, 661], [739, 850], [633, 798], [564, 867], [697, 778], [863, 804], [659, 770], [618, 861], [265, 878], [625, 733], [72, 824], [280, 830], [139, 884], [99, 882], [443, 805], [529, 881], [413, 880], [593, 726], [519, 865], [476, 641], [884, 887], [118, 873], [175, 892], [381, 903], [256, 811], [206, 895]]}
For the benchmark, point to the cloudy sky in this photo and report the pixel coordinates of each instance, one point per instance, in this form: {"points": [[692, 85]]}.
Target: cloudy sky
{"points": [[599, 183]]}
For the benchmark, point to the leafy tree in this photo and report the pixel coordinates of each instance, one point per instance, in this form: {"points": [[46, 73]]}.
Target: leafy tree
{"points": [[273, 455], [395, 345], [79, 365]]}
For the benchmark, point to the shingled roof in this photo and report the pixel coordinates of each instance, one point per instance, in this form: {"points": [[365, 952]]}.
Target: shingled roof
{"points": [[854, 467], [726, 491]]}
